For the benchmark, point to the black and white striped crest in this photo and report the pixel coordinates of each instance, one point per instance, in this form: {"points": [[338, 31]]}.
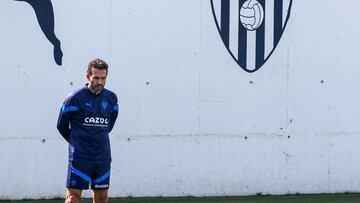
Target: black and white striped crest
{"points": [[251, 29]]}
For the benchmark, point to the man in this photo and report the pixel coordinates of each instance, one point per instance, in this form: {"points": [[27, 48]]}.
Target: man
{"points": [[85, 120]]}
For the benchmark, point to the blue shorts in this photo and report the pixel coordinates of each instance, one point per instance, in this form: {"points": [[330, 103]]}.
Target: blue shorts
{"points": [[81, 175]]}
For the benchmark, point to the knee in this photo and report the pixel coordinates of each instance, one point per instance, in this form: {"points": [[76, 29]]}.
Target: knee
{"points": [[101, 199], [72, 198]]}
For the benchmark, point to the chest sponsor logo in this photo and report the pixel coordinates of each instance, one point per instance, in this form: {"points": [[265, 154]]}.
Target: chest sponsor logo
{"points": [[96, 122], [251, 29]]}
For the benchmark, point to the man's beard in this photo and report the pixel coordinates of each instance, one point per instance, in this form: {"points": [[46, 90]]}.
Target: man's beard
{"points": [[97, 88]]}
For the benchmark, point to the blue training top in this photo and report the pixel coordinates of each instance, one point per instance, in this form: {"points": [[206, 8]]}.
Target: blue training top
{"points": [[85, 121]]}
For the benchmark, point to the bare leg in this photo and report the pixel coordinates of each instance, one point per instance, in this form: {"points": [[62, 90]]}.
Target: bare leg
{"points": [[100, 196], [73, 196], [45, 15]]}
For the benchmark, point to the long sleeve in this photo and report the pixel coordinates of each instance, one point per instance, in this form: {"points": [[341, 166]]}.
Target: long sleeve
{"points": [[114, 114], [66, 112]]}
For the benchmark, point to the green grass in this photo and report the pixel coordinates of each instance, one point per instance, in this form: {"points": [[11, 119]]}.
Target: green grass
{"points": [[335, 198]]}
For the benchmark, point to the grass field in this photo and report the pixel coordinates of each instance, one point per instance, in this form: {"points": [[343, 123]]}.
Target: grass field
{"points": [[336, 198]]}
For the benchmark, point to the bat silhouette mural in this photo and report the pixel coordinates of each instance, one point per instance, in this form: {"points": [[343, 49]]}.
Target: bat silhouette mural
{"points": [[45, 16]]}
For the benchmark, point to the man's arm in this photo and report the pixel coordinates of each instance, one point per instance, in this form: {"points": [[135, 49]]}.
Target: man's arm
{"points": [[114, 115], [114, 112], [66, 113]]}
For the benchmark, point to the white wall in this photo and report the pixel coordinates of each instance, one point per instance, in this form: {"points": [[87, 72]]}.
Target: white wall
{"points": [[190, 122]]}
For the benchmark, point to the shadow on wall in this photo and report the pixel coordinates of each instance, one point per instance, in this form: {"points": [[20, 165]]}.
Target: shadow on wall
{"points": [[45, 16]]}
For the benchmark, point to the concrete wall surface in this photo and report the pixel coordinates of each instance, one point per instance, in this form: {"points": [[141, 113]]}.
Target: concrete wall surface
{"points": [[202, 112]]}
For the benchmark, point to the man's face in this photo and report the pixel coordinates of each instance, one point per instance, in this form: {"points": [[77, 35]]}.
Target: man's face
{"points": [[97, 79]]}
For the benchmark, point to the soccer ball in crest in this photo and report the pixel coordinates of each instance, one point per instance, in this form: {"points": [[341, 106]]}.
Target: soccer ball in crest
{"points": [[251, 15]]}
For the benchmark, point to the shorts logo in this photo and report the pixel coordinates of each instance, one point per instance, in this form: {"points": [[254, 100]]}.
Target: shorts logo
{"points": [[96, 122], [251, 29], [102, 186], [73, 182]]}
